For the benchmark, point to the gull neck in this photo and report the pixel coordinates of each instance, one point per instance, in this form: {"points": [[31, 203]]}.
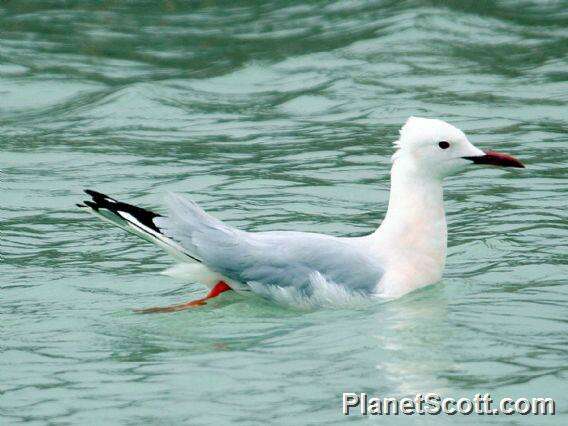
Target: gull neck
{"points": [[412, 238]]}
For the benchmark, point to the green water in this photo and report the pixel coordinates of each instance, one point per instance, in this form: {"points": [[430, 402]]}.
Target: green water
{"points": [[274, 115]]}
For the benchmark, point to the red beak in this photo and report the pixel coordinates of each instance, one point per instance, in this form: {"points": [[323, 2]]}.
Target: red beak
{"points": [[494, 158]]}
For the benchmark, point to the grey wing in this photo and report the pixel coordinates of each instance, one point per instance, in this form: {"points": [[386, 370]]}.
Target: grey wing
{"points": [[269, 258]]}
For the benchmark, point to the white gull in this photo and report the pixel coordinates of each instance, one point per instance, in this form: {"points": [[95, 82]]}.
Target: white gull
{"points": [[406, 252]]}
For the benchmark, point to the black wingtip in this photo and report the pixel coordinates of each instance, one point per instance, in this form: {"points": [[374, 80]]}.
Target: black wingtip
{"points": [[92, 205], [100, 198], [96, 194], [80, 205], [101, 202]]}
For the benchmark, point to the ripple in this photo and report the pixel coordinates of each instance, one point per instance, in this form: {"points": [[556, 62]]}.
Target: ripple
{"points": [[277, 115]]}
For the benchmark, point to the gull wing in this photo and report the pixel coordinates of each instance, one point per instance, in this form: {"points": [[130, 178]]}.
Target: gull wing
{"points": [[268, 258]]}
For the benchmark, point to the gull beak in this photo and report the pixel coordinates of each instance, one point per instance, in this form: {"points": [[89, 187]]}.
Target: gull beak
{"points": [[494, 158]]}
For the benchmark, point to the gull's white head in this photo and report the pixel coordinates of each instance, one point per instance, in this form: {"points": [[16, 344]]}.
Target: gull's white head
{"points": [[438, 149]]}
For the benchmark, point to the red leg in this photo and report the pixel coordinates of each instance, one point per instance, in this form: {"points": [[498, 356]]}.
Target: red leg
{"points": [[219, 288]]}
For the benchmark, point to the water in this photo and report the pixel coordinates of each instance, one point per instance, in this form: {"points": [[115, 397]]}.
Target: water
{"points": [[274, 115]]}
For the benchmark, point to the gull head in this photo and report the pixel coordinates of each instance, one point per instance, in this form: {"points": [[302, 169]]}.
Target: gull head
{"points": [[437, 149]]}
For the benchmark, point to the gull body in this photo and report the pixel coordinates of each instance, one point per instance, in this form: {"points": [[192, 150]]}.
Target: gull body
{"points": [[407, 251]]}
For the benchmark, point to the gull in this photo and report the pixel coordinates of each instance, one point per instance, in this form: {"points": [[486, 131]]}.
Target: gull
{"points": [[406, 252]]}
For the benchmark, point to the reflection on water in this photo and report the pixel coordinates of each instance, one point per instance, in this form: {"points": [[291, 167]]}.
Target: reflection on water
{"points": [[274, 115]]}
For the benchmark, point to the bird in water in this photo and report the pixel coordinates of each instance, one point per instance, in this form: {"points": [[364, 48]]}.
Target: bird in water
{"points": [[406, 252]]}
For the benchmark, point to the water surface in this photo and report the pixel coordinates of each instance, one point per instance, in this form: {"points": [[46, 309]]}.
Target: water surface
{"points": [[274, 115]]}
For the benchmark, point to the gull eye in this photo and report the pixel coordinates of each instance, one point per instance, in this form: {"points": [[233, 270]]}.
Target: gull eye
{"points": [[444, 145]]}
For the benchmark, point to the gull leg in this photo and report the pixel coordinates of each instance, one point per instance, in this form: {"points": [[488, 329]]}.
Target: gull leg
{"points": [[219, 288]]}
